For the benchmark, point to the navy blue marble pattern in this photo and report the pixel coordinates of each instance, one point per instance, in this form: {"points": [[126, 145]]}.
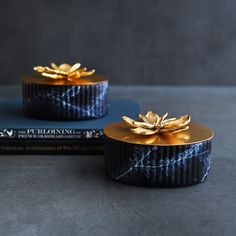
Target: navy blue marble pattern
{"points": [[157, 165], [65, 102]]}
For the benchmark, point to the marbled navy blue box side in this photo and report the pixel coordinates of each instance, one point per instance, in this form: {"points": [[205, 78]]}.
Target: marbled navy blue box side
{"points": [[167, 166], [65, 102]]}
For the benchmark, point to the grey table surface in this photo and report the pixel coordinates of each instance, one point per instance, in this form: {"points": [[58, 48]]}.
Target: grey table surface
{"points": [[69, 195]]}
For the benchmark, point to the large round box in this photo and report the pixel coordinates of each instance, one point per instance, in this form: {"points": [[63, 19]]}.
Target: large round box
{"points": [[167, 160], [85, 98]]}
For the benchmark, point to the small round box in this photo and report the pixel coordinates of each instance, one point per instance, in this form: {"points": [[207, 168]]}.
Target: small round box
{"points": [[85, 98], [166, 160]]}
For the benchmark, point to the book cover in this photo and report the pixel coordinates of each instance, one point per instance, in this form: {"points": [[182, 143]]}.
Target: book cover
{"points": [[19, 134], [52, 147]]}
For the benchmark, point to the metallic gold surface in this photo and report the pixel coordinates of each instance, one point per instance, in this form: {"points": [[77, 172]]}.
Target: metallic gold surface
{"points": [[195, 134], [152, 123], [64, 71], [37, 79]]}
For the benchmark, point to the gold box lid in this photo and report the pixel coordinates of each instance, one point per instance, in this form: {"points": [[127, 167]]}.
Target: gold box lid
{"points": [[195, 134], [89, 80]]}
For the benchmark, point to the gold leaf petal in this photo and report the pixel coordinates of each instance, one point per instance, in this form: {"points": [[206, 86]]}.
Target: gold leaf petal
{"points": [[74, 67], [177, 122], [143, 131], [39, 69], [75, 75], [82, 69], [65, 67], [54, 66], [53, 76], [164, 117], [128, 120], [151, 117], [52, 71], [87, 73], [158, 121], [166, 121], [134, 123], [143, 118], [180, 130]]}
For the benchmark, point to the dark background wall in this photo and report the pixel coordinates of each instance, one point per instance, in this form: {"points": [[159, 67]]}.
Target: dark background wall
{"points": [[132, 41]]}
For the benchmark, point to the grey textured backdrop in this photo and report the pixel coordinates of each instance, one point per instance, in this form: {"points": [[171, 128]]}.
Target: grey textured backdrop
{"points": [[132, 41]]}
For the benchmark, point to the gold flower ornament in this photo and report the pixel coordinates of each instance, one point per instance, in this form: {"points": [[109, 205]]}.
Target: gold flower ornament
{"points": [[64, 71], [152, 123]]}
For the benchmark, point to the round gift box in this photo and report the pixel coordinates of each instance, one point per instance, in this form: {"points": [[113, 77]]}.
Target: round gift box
{"points": [[85, 98], [165, 160]]}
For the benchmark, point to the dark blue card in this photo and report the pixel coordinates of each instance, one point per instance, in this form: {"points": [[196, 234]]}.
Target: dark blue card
{"points": [[11, 116]]}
